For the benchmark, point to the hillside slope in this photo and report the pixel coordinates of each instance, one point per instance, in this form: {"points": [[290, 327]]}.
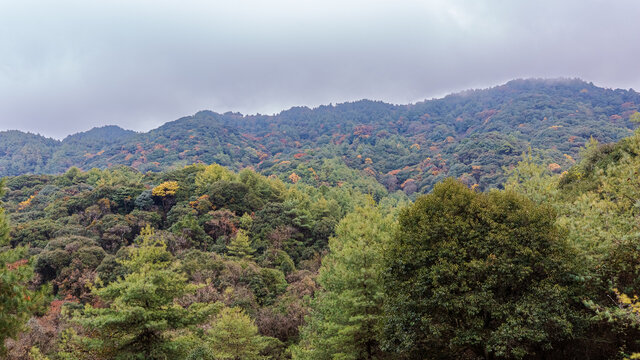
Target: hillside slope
{"points": [[471, 135]]}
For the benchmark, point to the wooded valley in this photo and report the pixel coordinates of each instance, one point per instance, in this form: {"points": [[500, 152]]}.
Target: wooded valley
{"points": [[493, 224]]}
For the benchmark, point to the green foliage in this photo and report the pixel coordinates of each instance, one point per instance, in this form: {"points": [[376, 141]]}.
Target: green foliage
{"points": [[144, 201], [142, 309], [464, 274], [346, 313], [485, 273], [61, 252], [267, 284], [188, 228], [240, 247], [211, 174], [471, 136], [16, 301], [233, 336]]}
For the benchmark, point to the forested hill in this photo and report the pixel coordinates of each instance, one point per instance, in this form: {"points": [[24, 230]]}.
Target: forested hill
{"points": [[471, 135]]}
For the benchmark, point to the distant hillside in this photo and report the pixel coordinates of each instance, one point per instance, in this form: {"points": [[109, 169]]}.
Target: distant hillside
{"points": [[471, 135]]}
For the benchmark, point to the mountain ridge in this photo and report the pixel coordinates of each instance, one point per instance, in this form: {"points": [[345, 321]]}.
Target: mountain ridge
{"points": [[471, 135]]}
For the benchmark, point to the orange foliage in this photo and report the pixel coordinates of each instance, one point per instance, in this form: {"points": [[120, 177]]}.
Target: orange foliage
{"points": [[370, 171], [406, 182], [313, 172], [363, 130], [299, 155], [485, 114], [294, 177], [250, 137], [17, 264], [194, 204], [555, 168], [338, 138], [627, 105]]}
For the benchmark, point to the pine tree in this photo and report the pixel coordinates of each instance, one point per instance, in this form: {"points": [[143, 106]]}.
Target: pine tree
{"points": [[233, 336], [240, 247], [345, 316], [143, 311], [16, 300]]}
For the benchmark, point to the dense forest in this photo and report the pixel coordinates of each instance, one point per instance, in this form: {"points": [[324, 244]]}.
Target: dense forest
{"points": [[319, 258], [472, 136]]}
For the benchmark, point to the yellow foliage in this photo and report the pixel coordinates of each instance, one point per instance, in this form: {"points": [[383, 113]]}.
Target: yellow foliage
{"points": [[23, 205], [167, 188], [211, 174], [368, 161], [632, 305], [294, 178]]}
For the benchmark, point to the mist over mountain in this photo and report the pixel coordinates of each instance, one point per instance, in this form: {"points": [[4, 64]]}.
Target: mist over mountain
{"points": [[471, 135]]}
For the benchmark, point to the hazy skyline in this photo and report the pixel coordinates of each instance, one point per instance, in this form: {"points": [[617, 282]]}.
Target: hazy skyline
{"points": [[67, 66]]}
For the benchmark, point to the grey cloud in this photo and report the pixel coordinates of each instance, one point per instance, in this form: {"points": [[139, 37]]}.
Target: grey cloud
{"points": [[67, 66]]}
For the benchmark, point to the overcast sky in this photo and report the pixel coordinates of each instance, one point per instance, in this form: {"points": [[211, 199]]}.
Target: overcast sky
{"points": [[67, 66]]}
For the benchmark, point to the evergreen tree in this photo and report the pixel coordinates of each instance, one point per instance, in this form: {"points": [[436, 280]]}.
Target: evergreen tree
{"points": [[233, 336], [481, 274], [345, 316], [143, 312], [16, 300], [240, 247]]}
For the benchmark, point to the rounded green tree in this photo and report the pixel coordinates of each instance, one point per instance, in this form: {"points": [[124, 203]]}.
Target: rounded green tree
{"points": [[480, 274]]}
